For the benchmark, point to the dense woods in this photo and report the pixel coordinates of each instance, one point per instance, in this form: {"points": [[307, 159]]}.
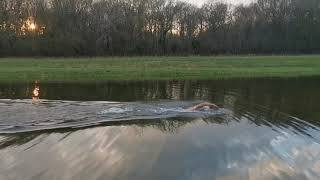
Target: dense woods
{"points": [[157, 27]]}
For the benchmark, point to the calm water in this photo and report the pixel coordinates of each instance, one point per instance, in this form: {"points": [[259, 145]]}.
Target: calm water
{"points": [[267, 129]]}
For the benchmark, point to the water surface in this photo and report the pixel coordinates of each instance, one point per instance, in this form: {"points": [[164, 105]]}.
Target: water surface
{"points": [[268, 129]]}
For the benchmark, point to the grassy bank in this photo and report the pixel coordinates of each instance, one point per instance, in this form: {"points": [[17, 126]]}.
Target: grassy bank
{"points": [[136, 68]]}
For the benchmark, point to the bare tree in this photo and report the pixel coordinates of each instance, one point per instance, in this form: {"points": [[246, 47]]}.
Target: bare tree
{"points": [[156, 27]]}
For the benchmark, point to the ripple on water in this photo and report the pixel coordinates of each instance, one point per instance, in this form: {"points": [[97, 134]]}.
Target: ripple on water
{"points": [[23, 115]]}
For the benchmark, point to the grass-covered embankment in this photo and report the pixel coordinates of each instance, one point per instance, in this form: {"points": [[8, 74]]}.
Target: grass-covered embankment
{"points": [[136, 68]]}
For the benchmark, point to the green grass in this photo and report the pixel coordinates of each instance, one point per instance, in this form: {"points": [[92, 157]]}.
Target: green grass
{"points": [[139, 68]]}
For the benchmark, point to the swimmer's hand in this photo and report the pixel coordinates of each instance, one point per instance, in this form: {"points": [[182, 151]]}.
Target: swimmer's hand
{"points": [[205, 105]]}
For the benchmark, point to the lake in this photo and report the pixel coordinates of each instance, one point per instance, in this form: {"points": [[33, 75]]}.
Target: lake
{"points": [[267, 128]]}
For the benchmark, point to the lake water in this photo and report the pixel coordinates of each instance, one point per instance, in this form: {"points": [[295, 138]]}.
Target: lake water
{"points": [[266, 129]]}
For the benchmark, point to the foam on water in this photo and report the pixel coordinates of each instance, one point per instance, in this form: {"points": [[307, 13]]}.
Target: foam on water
{"points": [[114, 110]]}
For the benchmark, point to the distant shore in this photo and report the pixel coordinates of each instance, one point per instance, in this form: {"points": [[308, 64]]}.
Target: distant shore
{"points": [[156, 68]]}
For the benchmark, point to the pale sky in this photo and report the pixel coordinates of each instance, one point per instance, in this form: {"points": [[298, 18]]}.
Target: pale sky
{"points": [[200, 2]]}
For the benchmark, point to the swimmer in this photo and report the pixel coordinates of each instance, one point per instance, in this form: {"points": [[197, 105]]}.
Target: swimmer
{"points": [[204, 105]]}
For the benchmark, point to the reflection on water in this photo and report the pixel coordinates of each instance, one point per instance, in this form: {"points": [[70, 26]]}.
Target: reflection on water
{"points": [[36, 93], [270, 132]]}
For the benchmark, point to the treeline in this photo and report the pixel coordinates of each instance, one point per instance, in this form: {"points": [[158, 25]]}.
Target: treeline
{"points": [[157, 27]]}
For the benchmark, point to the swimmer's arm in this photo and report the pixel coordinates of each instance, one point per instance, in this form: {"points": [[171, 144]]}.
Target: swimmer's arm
{"points": [[212, 106], [199, 106]]}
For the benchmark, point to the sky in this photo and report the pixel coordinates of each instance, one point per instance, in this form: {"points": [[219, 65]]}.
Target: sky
{"points": [[200, 2]]}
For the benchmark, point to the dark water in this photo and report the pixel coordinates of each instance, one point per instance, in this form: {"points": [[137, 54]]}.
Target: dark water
{"points": [[267, 129]]}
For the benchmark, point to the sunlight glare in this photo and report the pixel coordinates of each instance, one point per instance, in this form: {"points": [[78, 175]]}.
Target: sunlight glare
{"points": [[36, 93], [32, 26]]}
